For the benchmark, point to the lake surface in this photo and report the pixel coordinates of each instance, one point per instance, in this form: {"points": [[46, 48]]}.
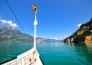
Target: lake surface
{"points": [[51, 53]]}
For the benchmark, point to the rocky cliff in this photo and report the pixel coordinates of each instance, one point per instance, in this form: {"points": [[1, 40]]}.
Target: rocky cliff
{"points": [[82, 35]]}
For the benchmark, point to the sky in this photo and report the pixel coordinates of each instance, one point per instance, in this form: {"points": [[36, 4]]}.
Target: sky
{"points": [[56, 18]]}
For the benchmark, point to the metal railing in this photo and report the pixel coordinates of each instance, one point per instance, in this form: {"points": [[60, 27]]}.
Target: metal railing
{"points": [[23, 59]]}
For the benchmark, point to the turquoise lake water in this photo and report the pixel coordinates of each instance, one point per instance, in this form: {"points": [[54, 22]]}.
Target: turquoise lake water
{"points": [[51, 53]]}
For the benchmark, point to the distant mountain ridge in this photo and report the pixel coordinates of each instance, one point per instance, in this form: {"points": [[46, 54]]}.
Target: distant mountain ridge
{"points": [[53, 40], [10, 34], [82, 35]]}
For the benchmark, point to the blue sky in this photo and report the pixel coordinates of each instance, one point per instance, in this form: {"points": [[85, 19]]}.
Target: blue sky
{"points": [[56, 18]]}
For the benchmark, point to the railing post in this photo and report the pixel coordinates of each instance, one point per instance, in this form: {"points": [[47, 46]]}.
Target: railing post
{"points": [[23, 61]]}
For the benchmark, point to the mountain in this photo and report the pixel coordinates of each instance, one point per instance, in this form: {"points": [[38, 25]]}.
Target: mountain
{"points": [[82, 35], [52, 40], [40, 40], [10, 34]]}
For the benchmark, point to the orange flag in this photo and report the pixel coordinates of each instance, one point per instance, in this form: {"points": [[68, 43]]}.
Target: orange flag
{"points": [[34, 8]]}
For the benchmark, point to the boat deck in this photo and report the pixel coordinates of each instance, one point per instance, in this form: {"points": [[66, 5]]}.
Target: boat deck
{"points": [[30, 57]]}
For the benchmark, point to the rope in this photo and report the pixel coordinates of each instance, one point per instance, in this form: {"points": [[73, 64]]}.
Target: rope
{"points": [[15, 16]]}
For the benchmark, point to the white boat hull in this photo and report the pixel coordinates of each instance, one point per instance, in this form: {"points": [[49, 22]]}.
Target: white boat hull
{"points": [[30, 57]]}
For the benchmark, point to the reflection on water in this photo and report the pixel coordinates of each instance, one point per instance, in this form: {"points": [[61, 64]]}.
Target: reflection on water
{"points": [[89, 45], [85, 51], [51, 53]]}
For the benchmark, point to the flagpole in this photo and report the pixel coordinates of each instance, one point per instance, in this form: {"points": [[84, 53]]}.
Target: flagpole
{"points": [[35, 24]]}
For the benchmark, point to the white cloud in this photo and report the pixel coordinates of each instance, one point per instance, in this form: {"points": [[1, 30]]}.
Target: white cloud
{"points": [[56, 38], [3, 21], [79, 25], [10, 23]]}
